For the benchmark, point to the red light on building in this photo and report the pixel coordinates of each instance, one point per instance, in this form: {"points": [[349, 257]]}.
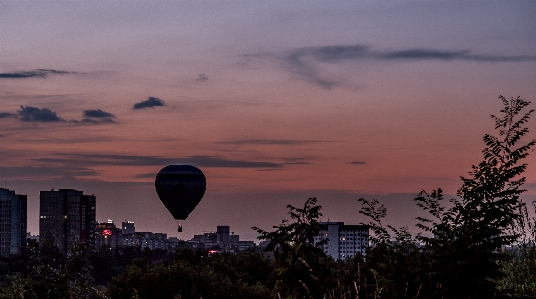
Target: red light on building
{"points": [[106, 232]]}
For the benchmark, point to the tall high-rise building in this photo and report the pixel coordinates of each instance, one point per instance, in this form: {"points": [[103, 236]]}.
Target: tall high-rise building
{"points": [[66, 218], [13, 222]]}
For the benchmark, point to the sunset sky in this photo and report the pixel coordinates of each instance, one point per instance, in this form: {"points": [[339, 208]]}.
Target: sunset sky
{"points": [[275, 101]]}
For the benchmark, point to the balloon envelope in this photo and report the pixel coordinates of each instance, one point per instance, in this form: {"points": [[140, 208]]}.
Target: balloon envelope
{"points": [[180, 188]]}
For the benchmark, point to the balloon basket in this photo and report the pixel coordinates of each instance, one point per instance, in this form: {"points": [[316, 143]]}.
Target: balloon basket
{"points": [[179, 228]]}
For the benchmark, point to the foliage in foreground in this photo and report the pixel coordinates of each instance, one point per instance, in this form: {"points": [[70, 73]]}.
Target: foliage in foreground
{"points": [[461, 252], [48, 275], [245, 275]]}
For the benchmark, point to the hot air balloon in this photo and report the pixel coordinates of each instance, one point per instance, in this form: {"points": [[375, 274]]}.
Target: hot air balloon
{"points": [[180, 188]]}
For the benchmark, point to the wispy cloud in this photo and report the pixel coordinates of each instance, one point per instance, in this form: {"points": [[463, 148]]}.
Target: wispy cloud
{"points": [[87, 160], [334, 54], [98, 116], [356, 163], [46, 171], [214, 161], [145, 176], [98, 113], [202, 78], [40, 73], [305, 62], [34, 114], [151, 102], [273, 141], [296, 161]]}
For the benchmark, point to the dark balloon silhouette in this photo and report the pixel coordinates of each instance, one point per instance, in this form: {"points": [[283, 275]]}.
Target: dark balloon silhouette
{"points": [[180, 188]]}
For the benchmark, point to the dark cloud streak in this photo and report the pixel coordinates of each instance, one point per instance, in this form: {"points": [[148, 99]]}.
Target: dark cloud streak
{"points": [[304, 61], [296, 161], [98, 116], [37, 172], [45, 115], [297, 65], [88, 160], [95, 121], [39, 73], [97, 113], [211, 161], [145, 176], [202, 78], [7, 114], [422, 54], [273, 141], [334, 54]]}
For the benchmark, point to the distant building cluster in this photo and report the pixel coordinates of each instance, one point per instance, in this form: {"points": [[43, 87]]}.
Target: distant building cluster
{"points": [[221, 240], [68, 217], [108, 235]]}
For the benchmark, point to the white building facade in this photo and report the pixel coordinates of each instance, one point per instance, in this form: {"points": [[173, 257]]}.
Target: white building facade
{"points": [[343, 241]]}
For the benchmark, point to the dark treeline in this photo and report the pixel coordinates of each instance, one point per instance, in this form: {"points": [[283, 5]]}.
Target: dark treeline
{"points": [[44, 272], [482, 244]]}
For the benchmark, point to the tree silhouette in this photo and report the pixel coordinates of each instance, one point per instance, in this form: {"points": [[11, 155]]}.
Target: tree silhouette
{"points": [[468, 240], [299, 259]]}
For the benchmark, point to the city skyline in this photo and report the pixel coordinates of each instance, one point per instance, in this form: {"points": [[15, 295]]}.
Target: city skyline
{"points": [[275, 102]]}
